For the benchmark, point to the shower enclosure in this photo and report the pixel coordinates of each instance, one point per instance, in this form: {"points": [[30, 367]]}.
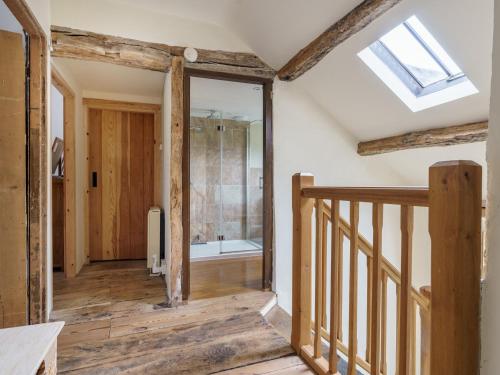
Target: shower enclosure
{"points": [[226, 172]]}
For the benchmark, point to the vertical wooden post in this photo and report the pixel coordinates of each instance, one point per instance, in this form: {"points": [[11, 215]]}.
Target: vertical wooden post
{"points": [[340, 281], [405, 303], [174, 289], [353, 290], [324, 243], [334, 290], [425, 335], [383, 326], [376, 273], [413, 337], [301, 268], [369, 302], [318, 290], [455, 230]]}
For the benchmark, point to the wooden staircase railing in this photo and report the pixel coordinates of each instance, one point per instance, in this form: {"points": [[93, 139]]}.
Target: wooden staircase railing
{"points": [[388, 272], [455, 205]]}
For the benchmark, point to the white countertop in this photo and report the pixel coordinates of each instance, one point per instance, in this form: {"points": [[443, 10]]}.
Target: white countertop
{"points": [[22, 349]]}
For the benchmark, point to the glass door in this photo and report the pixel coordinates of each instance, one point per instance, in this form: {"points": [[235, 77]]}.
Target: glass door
{"points": [[226, 167], [205, 175], [241, 198]]}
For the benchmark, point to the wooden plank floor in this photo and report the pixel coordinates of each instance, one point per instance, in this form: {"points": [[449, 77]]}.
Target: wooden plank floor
{"points": [[116, 323]]}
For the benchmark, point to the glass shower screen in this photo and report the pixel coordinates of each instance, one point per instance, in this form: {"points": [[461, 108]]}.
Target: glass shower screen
{"points": [[226, 167]]}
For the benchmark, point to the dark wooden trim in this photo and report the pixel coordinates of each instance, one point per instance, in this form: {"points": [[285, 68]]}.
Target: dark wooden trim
{"points": [[37, 163], [186, 192], [355, 21], [268, 219], [268, 214], [448, 136], [222, 76]]}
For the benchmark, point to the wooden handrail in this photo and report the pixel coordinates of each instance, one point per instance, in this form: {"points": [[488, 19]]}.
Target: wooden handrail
{"points": [[414, 196], [455, 210]]}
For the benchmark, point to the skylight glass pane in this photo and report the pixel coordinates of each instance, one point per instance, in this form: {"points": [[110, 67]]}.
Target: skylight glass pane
{"points": [[434, 45], [413, 56]]}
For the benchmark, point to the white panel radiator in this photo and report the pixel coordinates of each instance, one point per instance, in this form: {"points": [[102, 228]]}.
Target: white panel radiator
{"points": [[155, 240]]}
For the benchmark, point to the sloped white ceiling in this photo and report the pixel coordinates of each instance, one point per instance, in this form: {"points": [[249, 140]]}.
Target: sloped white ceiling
{"points": [[341, 83], [274, 29], [360, 101]]}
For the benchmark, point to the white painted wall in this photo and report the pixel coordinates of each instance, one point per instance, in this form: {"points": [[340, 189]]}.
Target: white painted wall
{"points": [[490, 340], [413, 164], [308, 139], [56, 113], [132, 21], [41, 10]]}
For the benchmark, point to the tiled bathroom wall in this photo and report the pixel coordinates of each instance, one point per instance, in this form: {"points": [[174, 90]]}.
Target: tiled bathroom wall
{"points": [[225, 194]]}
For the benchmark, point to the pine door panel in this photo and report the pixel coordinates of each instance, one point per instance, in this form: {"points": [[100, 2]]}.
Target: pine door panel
{"points": [[95, 192], [124, 163], [13, 301]]}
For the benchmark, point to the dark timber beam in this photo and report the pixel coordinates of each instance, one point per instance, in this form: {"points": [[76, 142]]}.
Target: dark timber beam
{"points": [[452, 135], [355, 21], [85, 45]]}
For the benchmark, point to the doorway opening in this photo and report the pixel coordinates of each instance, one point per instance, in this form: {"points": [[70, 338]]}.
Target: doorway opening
{"points": [[227, 167], [115, 142], [63, 169]]}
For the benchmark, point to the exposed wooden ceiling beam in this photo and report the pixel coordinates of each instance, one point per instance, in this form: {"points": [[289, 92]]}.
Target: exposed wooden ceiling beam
{"points": [[355, 21], [85, 45], [452, 135]]}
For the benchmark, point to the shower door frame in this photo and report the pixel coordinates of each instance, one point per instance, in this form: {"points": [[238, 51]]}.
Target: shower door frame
{"points": [[268, 198]]}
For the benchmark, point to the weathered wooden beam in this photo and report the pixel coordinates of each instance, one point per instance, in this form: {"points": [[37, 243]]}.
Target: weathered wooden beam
{"points": [[174, 274], [355, 21], [452, 135], [85, 45]]}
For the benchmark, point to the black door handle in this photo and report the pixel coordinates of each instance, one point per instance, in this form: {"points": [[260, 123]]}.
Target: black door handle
{"points": [[94, 179]]}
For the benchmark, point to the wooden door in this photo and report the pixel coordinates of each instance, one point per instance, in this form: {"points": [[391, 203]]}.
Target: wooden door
{"points": [[57, 223], [121, 148], [13, 222]]}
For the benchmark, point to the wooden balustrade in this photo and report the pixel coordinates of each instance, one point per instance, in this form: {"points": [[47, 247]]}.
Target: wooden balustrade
{"points": [[454, 202]]}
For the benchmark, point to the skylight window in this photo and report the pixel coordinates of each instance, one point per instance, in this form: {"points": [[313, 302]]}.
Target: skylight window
{"points": [[412, 63]]}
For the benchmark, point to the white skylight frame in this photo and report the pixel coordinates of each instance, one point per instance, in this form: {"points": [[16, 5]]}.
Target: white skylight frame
{"points": [[399, 78]]}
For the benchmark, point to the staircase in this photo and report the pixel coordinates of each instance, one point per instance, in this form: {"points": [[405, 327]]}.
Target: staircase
{"points": [[455, 209]]}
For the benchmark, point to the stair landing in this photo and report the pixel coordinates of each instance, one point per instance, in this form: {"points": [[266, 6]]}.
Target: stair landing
{"points": [[108, 335]]}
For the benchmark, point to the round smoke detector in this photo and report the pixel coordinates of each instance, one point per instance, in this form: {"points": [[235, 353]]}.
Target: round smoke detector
{"points": [[190, 54]]}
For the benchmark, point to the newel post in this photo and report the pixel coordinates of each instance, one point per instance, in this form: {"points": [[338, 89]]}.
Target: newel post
{"points": [[455, 230], [302, 209]]}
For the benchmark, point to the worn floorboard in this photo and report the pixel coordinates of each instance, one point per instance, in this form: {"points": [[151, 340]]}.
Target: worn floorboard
{"points": [[290, 365], [116, 323]]}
